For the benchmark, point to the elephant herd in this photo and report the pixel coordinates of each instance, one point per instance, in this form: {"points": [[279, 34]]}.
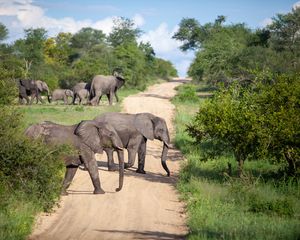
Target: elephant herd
{"points": [[108, 132], [89, 92]]}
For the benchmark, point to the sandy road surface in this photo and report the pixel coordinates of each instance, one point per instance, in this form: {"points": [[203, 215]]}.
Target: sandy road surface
{"points": [[148, 205]]}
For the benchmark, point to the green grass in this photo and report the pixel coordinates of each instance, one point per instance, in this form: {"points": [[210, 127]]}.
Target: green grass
{"points": [[70, 114], [219, 206]]}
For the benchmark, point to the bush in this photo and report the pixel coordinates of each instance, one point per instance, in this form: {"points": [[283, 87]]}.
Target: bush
{"points": [[30, 173], [187, 93], [254, 122]]}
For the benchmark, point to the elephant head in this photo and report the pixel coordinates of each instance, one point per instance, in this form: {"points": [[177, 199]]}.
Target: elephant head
{"points": [[120, 79], [69, 93], [98, 136], [43, 87], [153, 127]]}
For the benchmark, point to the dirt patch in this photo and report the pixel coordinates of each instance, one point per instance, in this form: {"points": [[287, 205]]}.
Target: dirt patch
{"points": [[146, 208]]}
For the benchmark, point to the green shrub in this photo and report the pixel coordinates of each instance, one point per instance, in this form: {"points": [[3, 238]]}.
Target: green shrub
{"points": [[256, 122], [187, 93], [282, 207]]}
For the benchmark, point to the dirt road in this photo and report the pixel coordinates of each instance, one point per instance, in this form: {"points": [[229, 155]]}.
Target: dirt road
{"points": [[147, 207]]}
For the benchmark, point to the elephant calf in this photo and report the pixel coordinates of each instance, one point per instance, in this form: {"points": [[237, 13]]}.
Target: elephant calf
{"points": [[88, 138], [62, 94]]}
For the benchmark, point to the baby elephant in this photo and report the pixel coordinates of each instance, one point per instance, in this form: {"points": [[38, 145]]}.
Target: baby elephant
{"points": [[62, 94], [88, 138]]}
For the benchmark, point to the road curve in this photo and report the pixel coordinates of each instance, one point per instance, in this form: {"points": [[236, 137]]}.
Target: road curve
{"points": [[147, 207]]}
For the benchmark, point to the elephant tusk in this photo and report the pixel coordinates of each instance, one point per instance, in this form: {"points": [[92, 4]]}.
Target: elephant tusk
{"points": [[119, 148]]}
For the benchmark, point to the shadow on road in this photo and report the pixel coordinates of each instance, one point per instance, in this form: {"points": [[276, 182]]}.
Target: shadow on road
{"points": [[145, 234]]}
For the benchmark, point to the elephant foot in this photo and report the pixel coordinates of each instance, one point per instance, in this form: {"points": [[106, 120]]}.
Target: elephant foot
{"points": [[141, 171], [99, 191], [127, 165], [113, 167]]}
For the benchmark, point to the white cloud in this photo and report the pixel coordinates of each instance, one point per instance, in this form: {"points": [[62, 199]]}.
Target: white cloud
{"points": [[296, 5], [138, 20], [161, 39], [266, 22], [168, 48], [22, 14], [26, 15]]}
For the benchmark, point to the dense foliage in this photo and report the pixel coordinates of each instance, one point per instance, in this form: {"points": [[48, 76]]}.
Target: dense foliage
{"points": [[227, 52], [254, 113], [260, 205], [67, 58], [259, 122]]}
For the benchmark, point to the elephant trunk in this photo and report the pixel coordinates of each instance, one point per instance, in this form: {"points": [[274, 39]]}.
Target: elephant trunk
{"points": [[164, 157], [121, 170]]}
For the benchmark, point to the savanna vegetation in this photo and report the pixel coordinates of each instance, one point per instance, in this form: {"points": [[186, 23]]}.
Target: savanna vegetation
{"points": [[30, 172], [241, 141]]}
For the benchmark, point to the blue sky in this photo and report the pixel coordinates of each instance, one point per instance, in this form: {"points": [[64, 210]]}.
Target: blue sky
{"points": [[158, 19]]}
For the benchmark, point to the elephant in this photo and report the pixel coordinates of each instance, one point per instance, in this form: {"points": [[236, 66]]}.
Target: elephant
{"points": [[87, 138], [43, 87], [62, 94], [83, 94], [78, 92], [107, 85], [134, 130], [29, 87]]}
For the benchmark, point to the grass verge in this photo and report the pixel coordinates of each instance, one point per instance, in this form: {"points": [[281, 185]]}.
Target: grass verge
{"points": [[258, 206]]}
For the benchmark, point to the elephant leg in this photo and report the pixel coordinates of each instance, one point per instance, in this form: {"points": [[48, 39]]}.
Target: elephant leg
{"points": [[32, 98], [111, 95], [108, 97], [110, 160], [38, 97], [131, 158], [95, 99], [88, 158], [121, 169], [69, 175], [117, 98], [142, 156], [65, 100], [99, 99], [74, 98]]}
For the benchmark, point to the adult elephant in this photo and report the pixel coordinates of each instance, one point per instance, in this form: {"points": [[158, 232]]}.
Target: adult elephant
{"points": [[105, 85], [88, 138], [134, 130], [28, 87], [80, 91], [62, 94], [32, 88]]}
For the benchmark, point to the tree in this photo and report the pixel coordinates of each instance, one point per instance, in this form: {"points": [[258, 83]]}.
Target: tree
{"points": [[191, 33], [31, 49], [3, 32], [285, 35], [86, 38], [256, 122], [123, 32]]}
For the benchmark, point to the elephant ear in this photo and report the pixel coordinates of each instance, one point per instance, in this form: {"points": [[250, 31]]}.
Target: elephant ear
{"points": [[39, 85], [144, 125], [87, 131]]}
